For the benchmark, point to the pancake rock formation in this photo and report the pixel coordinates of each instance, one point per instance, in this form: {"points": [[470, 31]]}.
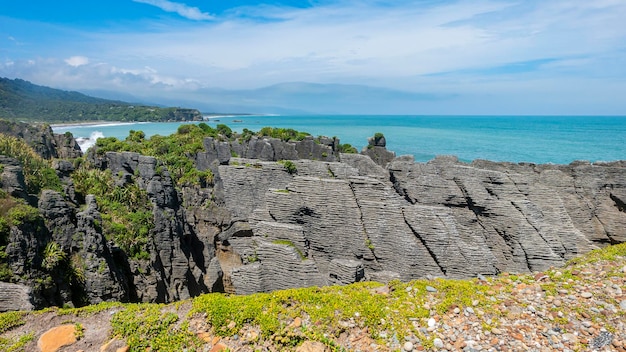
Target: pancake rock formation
{"points": [[322, 218]]}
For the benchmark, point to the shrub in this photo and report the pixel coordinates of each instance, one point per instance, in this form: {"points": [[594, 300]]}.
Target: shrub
{"points": [[53, 256], [224, 130], [289, 166], [285, 134], [347, 148]]}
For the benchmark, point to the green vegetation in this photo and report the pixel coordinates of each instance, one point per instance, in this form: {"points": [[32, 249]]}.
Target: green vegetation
{"points": [[126, 210], [53, 256], [347, 148], [16, 344], [10, 320], [285, 134], [13, 212], [38, 174], [147, 328], [175, 152], [23, 100], [290, 244], [289, 165]]}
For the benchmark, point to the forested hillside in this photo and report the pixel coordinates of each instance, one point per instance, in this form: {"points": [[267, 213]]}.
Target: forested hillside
{"points": [[23, 100]]}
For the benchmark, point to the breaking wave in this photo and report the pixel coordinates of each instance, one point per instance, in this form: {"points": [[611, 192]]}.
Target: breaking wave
{"points": [[86, 143]]}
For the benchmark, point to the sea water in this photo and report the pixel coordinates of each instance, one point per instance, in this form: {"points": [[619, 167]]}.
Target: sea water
{"points": [[536, 139]]}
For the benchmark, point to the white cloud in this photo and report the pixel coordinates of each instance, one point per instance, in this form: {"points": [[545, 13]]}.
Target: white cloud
{"points": [[192, 13], [76, 61], [445, 47], [337, 42]]}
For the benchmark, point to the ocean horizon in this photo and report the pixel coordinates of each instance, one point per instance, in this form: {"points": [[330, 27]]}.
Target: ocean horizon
{"points": [[533, 139]]}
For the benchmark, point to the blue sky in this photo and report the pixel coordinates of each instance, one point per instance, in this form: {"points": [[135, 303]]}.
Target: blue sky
{"points": [[418, 57]]}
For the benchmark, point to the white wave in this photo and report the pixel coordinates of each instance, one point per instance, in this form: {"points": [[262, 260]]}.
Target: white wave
{"points": [[86, 143]]}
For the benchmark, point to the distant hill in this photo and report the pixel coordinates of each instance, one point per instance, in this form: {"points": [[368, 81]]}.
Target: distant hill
{"points": [[22, 100]]}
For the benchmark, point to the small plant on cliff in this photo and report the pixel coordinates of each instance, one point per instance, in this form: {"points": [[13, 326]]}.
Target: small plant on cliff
{"points": [[290, 167], [53, 256]]}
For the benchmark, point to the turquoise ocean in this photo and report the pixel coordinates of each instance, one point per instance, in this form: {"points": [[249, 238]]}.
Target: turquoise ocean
{"points": [[535, 139]]}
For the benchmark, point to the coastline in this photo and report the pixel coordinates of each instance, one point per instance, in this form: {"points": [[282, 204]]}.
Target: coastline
{"points": [[90, 124]]}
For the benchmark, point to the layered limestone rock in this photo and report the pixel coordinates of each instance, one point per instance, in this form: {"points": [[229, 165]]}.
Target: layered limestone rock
{"points": [[15, 297], [322, 218], [442, 218]]}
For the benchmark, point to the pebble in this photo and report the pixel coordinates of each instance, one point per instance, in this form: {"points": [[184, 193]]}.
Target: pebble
{"points": [[470, 310], [408, 346], [457, 310], [438, 343], [432, 322], [622, 305], [431, 289], [586, 295]]}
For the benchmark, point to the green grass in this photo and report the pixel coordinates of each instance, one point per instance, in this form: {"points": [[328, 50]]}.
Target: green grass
{"points": [[16, 344], [10, 320], [146, 327]]}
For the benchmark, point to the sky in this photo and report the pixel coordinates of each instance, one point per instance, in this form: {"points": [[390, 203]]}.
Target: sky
{"points": [[506, 57]]}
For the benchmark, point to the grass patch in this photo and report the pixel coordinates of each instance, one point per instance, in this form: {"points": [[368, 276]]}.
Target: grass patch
{"points": [[16, 344], [10, 320], [606, 253], [146, 327]]}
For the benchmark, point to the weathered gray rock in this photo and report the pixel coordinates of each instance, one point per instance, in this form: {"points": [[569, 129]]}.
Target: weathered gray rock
{"points": [[104, 279], [15, 297], [66, 146], [380, 155], [279, 266], [42, 139], [12, 178], [345, 271]]}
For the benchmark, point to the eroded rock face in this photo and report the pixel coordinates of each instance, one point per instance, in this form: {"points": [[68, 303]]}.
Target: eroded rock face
{"points": [[327, 218], [43, 140], [442, 218]]}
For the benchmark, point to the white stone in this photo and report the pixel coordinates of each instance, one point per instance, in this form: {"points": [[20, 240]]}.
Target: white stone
{"points": [[431, 289], [438, 343], [622, 305], [432, 322], [408, 346], [586, 295]]}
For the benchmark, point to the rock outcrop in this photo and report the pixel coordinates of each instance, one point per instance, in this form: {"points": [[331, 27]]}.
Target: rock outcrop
{"points": [[15, 297], [322, 218]]}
